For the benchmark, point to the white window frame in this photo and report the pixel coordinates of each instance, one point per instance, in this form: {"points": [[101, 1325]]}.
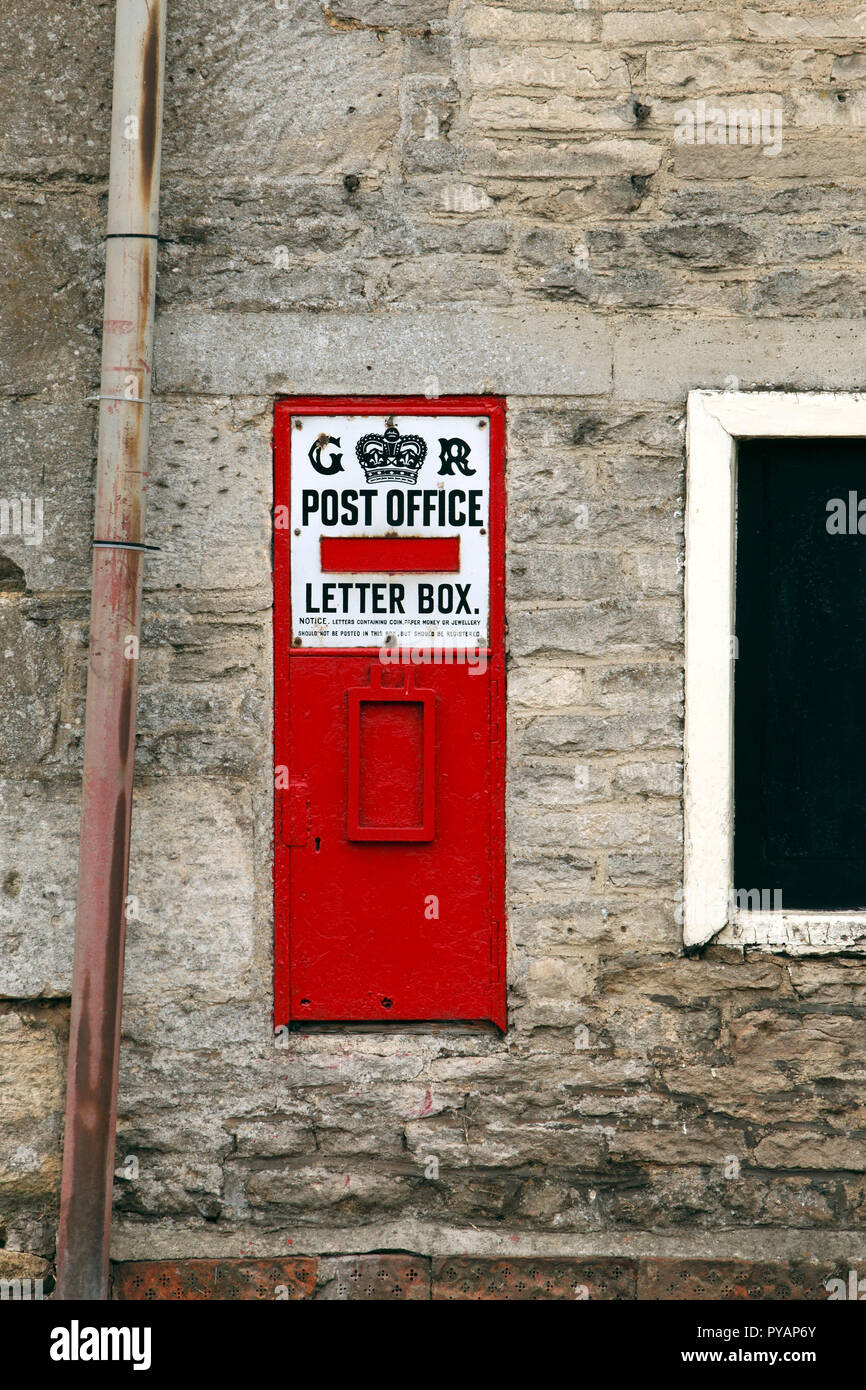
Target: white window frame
{"points": [[716, 420]]}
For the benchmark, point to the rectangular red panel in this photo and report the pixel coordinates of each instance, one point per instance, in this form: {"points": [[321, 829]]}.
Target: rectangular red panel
{"points": [[389, 864], [390, 554], [392, 757], [390, 768]]}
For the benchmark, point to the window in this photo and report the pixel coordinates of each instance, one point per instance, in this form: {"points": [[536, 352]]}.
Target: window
{"points": [[775, 739]]}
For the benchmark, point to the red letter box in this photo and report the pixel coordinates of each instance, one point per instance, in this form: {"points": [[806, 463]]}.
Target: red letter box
{"points": [[389, 734]]}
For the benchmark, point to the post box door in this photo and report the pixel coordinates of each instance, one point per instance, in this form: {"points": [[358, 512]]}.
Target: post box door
{"points": [[389, 725]]}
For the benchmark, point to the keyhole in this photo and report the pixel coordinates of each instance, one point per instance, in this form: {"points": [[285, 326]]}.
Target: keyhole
{"points": [[318, 844]]}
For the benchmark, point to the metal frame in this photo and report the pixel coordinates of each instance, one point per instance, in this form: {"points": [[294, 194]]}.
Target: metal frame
{"points": [[715, 421], [495, 408]]}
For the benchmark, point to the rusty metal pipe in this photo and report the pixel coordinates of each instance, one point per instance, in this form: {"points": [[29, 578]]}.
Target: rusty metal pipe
{"points": [[115, 616]]}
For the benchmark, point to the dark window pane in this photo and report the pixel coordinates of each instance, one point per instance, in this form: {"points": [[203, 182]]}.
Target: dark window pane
{"points": [[800, 673]]}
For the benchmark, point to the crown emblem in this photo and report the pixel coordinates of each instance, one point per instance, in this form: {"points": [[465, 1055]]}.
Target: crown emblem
{"points": [[391, 457]]}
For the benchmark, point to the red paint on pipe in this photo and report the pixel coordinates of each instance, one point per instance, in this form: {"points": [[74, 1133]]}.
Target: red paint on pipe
{"points": [[94, 1042], [109, 737]]}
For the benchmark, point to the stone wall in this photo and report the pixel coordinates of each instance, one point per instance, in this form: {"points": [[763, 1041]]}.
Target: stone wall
{"points": [[404, 197]]}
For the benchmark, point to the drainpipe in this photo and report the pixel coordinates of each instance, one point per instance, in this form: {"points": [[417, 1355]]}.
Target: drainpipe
{"points": [[115, 614]]}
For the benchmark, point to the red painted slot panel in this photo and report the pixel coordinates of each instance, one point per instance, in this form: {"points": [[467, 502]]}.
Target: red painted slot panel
{"points": [[392, 753], [390, 554]]}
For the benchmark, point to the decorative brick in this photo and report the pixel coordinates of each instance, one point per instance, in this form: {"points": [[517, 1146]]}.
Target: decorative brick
{"points": [[374, 1278], [528, 1279], [695, 1280], [197, 1280]]}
